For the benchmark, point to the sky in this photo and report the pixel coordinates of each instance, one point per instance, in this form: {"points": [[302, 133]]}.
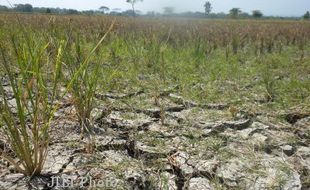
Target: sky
{"points": [[268, 7]]}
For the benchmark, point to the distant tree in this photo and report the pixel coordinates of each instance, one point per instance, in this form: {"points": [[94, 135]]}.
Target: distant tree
{"points": [[234, 12], [208, 7], [244, 15], [128, 12], [133, 2], [48, 10], [116, 12], [88, 12], [3, 8], [28, 8], [257, 14], [23, 8], [307, 15], [104, 9], [72, 11], [168, 10]]}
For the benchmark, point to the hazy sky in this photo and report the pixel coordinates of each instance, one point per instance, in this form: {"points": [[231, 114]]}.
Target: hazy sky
{"points": [[269, 7]]}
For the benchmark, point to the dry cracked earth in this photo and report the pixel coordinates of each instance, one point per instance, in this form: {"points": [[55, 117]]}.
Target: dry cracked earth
{"points": [[181, 145]]}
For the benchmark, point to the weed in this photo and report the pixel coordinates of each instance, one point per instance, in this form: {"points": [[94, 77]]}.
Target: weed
{"points": [[34, 91], [82, 80]]}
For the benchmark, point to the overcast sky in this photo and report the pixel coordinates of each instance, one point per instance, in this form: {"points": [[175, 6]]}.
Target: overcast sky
{"points": [[269, 7]]}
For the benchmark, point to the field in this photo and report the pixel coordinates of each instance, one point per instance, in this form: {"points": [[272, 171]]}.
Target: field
{"points": [[154, 103]]}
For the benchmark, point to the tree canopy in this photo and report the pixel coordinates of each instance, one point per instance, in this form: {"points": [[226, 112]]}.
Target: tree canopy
{"points": [[307, 15], [23, 7], [133, 2], [208, 7], [257, 14], [104, 9], [235, 12]]}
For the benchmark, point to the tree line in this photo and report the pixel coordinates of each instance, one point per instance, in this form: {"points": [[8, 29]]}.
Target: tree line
{"points": [[234, 13]]}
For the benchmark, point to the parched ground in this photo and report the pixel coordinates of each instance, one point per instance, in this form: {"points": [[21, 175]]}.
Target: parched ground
{"points": [[192, 104], [178, 145]]}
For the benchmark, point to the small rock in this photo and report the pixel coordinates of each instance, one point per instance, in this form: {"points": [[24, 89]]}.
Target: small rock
{"points": [[288, 150]]}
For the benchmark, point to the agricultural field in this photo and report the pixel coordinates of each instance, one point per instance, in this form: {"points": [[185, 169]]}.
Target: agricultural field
{"points": [[102, 102]]}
